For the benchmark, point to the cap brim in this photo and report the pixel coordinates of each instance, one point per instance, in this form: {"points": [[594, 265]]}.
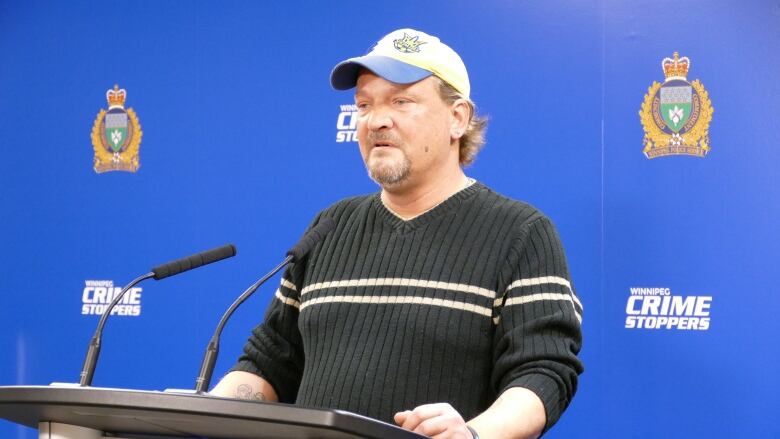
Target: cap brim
{"points": [[344, 76]]}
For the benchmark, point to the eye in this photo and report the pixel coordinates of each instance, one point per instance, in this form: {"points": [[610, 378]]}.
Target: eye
{"points": [[402, 101], [362, 106]]}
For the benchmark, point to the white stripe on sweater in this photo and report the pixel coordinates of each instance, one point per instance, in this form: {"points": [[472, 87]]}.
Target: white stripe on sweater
{"points": [[543, 296], [287, 300], [540, 281], [289, 285], [400, 282]]}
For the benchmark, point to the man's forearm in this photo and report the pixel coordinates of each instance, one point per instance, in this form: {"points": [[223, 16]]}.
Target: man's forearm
{"points": [[517, 414], [244, 385]]}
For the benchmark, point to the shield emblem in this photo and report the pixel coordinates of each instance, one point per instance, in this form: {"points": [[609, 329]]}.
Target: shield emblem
{"points": [[676, 105], [116, 129]]}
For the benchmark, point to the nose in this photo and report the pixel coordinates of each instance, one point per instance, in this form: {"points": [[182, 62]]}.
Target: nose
{"points": [[379, 118]]}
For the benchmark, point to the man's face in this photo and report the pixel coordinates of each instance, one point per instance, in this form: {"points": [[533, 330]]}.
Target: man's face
{"points": [[403, 129]]}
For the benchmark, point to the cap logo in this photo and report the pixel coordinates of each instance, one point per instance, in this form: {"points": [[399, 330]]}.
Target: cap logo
{"points": [[408, 44]]}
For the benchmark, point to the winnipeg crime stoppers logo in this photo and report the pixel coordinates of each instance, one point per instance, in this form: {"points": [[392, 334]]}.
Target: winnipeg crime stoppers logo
{"points": [[408, 44], [99, 293], [676, 115], [116, 135], [657, 308], [346, 124]]}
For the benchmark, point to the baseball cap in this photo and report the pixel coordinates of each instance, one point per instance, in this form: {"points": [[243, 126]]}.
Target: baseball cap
{"points": [[405, 56]]}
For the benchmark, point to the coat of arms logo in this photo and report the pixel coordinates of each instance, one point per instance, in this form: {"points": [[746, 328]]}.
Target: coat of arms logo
{"points": [[676, 115], [116, 135]]}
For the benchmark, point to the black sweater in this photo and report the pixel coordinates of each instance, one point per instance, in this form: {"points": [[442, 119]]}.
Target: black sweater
{"points": [[456, 305]]}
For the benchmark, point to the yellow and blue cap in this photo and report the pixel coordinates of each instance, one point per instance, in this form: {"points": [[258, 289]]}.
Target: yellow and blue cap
{"points": [[405, 56]]}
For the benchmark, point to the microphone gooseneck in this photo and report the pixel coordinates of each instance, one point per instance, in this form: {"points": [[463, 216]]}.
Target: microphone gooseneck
{"points": [[93, 350], [159, 272], [294, 255]]}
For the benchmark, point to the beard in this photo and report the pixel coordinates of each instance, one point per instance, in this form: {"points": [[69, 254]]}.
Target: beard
{"points": [[389, 171], [386, 168]]}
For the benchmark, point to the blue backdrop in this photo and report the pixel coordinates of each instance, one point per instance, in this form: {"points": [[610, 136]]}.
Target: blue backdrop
{"points": [[240, 131]]}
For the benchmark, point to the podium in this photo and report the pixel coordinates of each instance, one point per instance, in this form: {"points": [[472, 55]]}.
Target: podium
{"points": [[94, 413]]}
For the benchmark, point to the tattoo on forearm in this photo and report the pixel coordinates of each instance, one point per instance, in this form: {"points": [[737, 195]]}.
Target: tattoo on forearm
{"points": [[245, 391]]}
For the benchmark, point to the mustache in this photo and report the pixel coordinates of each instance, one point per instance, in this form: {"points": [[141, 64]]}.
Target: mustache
{"points": [[374, 137]]}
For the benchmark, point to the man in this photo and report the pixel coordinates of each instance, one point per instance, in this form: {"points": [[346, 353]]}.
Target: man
{"points": [[435, 301]]}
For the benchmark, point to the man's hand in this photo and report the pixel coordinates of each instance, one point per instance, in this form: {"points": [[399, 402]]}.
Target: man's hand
{"points": [[517, 414], [439, 421]]}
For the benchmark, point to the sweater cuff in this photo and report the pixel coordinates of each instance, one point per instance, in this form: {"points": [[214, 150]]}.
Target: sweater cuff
{"points": [[547, 390]]}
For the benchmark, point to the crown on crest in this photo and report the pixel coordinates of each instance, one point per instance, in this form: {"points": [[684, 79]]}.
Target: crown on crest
{"points": [[676, 68], [116, 97]]}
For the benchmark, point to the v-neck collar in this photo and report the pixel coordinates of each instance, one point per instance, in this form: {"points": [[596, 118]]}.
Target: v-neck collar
{"points": [[403, 226]]}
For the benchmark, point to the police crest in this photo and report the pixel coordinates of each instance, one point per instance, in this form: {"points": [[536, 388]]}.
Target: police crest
{"points": [[676, 115], [116, 135]]}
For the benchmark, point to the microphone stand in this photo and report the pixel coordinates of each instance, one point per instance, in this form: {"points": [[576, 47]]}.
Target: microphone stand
{"points": [[212, 350], [93, 351]]}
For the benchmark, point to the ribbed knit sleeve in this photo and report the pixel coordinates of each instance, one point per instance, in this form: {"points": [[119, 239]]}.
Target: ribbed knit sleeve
{"points": [[538, 334], [274, 350]]}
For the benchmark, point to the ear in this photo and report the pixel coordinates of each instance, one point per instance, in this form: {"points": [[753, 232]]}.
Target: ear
{"points": [[461, 115]]}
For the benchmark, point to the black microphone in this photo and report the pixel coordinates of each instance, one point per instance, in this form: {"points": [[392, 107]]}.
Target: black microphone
{"points": [[159, 272], [181, 265], [324, 226]]}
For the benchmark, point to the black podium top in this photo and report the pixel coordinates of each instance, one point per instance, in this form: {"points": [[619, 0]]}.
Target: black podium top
{"points": [[145, 414]]}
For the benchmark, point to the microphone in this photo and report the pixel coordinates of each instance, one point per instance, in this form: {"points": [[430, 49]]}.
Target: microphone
{"points": [[324, 226], [160, 272], [181, 265], [316, 234]]}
